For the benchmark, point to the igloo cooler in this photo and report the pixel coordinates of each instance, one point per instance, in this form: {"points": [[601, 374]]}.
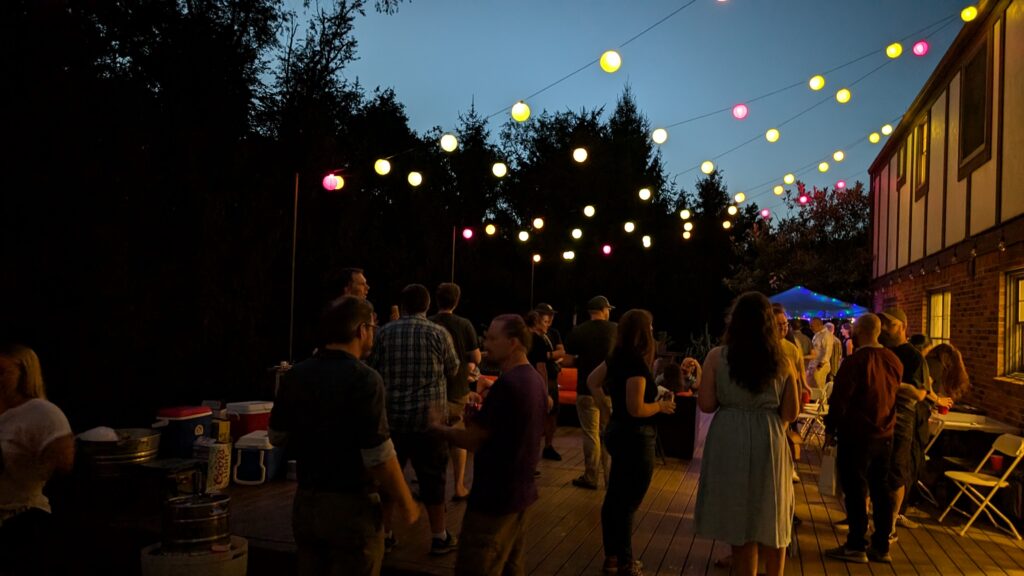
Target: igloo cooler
{"points": [[180, 427], [256, 460]]}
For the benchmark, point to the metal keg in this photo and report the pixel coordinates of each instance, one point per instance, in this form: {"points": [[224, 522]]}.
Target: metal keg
{"points": [[196, 522], [133, 446]]}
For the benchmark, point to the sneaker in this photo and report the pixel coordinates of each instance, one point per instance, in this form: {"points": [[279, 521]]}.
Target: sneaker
{"points": [[635, 568], [847, 555], [439, 546], [390, 542], [550, 453], [881, 557], [905, 522], [582, 482]]}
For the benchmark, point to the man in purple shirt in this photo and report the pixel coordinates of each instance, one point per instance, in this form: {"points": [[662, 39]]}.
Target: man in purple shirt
{"points": [[503, 437]]}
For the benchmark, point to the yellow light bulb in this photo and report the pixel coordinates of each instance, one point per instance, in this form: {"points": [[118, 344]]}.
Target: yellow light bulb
{"points": [[660, 136], [589, 211], [629, 227], [568, 255], [707, 167], [874, 138], [740, 197], [520, 111], [499, 169], [449, 143], [887, 129], [823, 167], [490, 229], [645, 194], [772, 135], [610, 61], [580, 155], [969, 13], [524, 236], [817, 82], [778, 190], [789, 178], [726, 224], [415, 178], [684, 214], [686, 235], [732, 210], [538, 223], [688, 226], [382, 167], [894, 50], [536, 258], [843, 95], [646, 241], [838, 155]]}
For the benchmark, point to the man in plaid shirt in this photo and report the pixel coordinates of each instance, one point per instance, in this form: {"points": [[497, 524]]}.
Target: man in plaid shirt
{"points": [[416, 358]]}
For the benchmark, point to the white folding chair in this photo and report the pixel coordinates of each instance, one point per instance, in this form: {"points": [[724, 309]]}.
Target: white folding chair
{"points": [[812, 417], [1008, 445]]}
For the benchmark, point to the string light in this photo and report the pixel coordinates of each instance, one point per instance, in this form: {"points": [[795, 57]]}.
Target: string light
{"points": [[499, 169], [772, 135], [579, 155], [874, 138], [804, 199], [823, 167], [610, 61], [333, 182], [684, 214], [660, 136], [817, 82], [732, 210], [726, 224], [646, 240], [778, 190], [606, 249], [490, 229], [789, 178], [577, 233], [686, 235], [766, 213], [629, 227], [538, 223], [449, 143], [887, 129], [645, 194], [921, 48], [707, 166], [894, 50], [740, 111], [467, 233], [536, 258], [843, 95], [589, 211], [415, 179], [523, 237], [838, 155], [740, 197], [382, 167], [688, 226], [841, 185], [969, 13], [568, 255], [520, 111]]}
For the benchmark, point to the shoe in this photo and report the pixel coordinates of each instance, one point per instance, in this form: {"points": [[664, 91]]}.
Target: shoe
{"points": [[439, 546], [582, 482], [893, 537], [881, 557], [905, 522], [635, 568], [550, 453], [847, 555], [390, 542]]}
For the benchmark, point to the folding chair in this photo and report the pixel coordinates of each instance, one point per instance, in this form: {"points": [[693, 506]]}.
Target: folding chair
{"points": [[1008, 444], [813, 414]]}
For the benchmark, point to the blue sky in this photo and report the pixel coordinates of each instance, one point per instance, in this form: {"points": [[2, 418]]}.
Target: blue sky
{"points": [[441, 55]]}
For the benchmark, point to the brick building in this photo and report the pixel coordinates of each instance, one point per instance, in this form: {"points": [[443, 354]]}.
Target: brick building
{"points": [[948, 208]]}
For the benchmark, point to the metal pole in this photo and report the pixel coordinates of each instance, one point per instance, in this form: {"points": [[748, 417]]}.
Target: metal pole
{"points": [[295, 229], [453, 254]]}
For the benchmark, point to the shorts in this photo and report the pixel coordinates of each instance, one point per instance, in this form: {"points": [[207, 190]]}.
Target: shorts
{"points": [[429, 455], [901, 469], [457, 412], [553, 393]]}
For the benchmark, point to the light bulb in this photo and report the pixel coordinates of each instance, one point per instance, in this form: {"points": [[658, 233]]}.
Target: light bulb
{"points": [[538, 223], [823, 167], [589, 211], [707, 167], [415, 178], [740, 111], [772, 135], [646, 240], [684, 214], [382, 167], [894, 50], [874, 138], [887, 129], [499, 169], [580, 155], [969, 13], [610, 61], [843, 95], [629, 227], [838, 155], [732, 210], [660, 136], [645, 194], [789, 178], [449, 143], [520, 111], [726, 224], [778, 190], [536, 258], [688, 226], [740, 197], [817, 82], [524, 236], [490, 229], [577, 233]]}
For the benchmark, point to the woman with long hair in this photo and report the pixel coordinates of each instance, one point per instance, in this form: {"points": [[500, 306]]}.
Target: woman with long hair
{"points": [[626, 377], [949, 375], [745, 491], [35, 441]]}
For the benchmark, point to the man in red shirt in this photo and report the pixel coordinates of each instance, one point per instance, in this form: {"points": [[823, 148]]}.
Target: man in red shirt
{"points": [[861, 418]]}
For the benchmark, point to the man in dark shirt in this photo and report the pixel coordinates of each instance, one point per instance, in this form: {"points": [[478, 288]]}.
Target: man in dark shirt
{"points": [[542, 357], [589, 344], [861, 418], [503, 437], [330, 413], [467, 349]]}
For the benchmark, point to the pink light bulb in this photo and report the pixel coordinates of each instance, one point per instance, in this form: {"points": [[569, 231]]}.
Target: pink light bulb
{"points": [[330, 182], [841, 185], [921, 48], [606, 249], [804, 199], [467, 233], [765, 213], [740, 111]]}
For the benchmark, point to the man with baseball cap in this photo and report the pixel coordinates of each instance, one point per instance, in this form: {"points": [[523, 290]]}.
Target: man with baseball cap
{"points": [[555, 352], [590, 343]]}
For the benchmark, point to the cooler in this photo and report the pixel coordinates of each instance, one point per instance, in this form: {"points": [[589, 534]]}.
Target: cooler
{"points": [[256, 460], [180, 427], [248, 417]]}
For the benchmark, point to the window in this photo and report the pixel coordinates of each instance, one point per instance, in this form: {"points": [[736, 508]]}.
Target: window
{"points": [[921, 135], [1015, 325], [938, 316], [901, 165], [976, 109]]}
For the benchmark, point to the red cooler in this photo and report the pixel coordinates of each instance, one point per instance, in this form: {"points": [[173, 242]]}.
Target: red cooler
{"points": [[180, 427], [248, 417]]}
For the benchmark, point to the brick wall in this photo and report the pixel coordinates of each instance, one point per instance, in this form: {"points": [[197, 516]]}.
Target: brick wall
{"points": [[977, 319]]}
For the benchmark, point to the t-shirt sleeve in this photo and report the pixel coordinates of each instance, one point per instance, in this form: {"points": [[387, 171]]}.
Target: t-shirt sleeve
{"points": [[372, 430], [451, 359], [472, 342], [49, 424]]}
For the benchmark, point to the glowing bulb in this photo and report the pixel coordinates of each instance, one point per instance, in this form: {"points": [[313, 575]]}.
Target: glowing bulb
{"points": [[765, 213], [789, 178], [688, 226], [887, 129], [538, 223], [660, 136], [732, 210], [817, 82], [629, 227], [804, 199], [843, 95], [577, 233], [645, 194], [589, 211], [490, 229], [740, 111], [382, 167], [449, 143], [740, 197], [606, 249], [772, 135], [969, 13], [415, 178], [778, 190], [467, 233], [520, 111], [838, 155], [333, 182], [524, 236], [840, 184], [499, 169], [684, 214], [894, 50], [874, 138], [580, 155], [726, 224], [568, 255], [707, 167], [610, 61], [536, 258], [646, 241], [686, 235], [823, 167]]}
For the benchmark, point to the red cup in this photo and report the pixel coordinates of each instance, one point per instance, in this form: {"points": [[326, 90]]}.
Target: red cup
{"points": [[943, 409], [995, 462]]}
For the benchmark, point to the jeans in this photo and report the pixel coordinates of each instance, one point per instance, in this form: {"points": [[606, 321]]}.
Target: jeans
{"points": [[590, 422], [338, 533], [631, 447], [492, 545], [863, 468]]}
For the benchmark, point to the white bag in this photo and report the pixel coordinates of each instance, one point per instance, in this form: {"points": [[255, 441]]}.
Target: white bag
{"points": [[827, 477]]}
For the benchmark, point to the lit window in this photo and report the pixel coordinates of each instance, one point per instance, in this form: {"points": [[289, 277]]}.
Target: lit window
{"points": [[938, 316], [1015, 325]]}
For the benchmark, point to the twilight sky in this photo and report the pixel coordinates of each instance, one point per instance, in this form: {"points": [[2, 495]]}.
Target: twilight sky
{"points": [[441, 55]]}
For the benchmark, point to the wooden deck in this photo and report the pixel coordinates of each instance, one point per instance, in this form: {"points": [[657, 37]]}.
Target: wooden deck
{"points": [[564, 537]]}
